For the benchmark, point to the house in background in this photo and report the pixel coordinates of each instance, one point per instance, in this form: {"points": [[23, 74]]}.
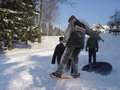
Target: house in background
{"points": [[98, 28]]}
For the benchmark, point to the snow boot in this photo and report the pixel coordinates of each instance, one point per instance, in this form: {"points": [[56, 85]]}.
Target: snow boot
{"points": [[56, 75], [76, 76]]}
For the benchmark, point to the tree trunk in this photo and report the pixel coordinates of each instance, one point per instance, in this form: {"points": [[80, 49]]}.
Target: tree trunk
{"points": [[40, 22], [10, 45], [10, 41]]}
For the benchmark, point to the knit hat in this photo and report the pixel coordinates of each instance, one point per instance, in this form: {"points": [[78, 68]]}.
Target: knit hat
{"points": [[72, 17], [60, 38]]}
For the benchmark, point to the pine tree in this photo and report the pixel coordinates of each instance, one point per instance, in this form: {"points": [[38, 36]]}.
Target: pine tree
{"points": [[18, 20]]}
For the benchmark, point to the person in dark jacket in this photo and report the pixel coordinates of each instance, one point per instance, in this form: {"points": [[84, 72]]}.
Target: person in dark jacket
{"points": [[59, 49], [58, 52], [74, 37], [92, 47]]}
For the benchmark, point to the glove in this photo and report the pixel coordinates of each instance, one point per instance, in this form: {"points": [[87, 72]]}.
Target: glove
{"points": [[86, 48], [96, 50], [101, 39], [53, 62]]}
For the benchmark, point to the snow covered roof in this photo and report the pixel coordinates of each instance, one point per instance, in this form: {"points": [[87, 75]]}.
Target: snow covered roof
{"points": [[97, 26]]}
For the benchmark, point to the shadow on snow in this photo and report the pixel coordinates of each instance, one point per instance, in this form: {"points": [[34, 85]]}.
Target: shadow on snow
{"points": [[40, 72]]}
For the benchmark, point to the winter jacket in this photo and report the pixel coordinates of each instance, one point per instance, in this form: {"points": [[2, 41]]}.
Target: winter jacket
{"points": [[76, 35], [59, 49], [92, 43]]}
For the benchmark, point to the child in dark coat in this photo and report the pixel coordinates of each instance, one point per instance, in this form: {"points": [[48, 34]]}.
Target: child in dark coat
{"points": [[59, 49]]}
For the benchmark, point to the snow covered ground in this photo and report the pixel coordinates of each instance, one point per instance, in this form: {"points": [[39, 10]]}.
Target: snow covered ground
{"points": [[28, 69]]}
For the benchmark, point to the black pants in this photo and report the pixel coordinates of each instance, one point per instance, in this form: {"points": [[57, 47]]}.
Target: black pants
{"points": [[92, 55]]}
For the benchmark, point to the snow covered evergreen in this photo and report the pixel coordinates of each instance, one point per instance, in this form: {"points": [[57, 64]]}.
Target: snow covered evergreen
{"points": [[17, 21]]}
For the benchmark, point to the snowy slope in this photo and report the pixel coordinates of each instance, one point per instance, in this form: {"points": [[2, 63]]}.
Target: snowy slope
{"points": [[28, 69]]}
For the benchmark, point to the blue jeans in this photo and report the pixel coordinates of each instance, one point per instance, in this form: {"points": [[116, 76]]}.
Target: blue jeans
{"points": [[74, 62]]}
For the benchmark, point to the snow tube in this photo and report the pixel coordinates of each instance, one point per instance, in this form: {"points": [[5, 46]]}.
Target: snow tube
{"points": [[102, 68]]}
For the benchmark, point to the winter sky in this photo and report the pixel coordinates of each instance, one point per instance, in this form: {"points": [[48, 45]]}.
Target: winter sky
{"points": [[91, 11]]}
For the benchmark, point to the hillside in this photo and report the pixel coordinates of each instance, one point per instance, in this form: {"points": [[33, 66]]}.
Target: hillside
{"points": [[29, 68]]}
